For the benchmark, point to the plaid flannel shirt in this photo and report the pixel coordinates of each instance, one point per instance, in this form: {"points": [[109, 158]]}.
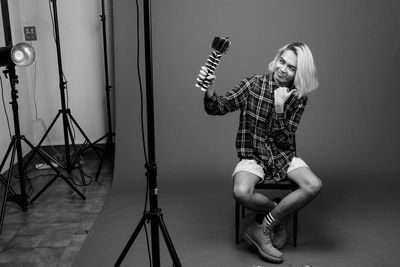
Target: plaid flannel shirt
{"points": [[263, 135]]}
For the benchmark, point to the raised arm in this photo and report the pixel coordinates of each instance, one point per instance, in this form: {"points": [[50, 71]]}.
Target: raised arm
{"points": [[231, 101]]}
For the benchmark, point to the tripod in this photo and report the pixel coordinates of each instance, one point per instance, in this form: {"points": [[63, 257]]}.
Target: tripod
{"points": [[15, 149], [154, 215], [65, 113], [110, 134]]}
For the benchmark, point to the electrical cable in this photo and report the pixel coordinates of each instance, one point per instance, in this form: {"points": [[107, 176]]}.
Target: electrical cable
{"points": [[52, 20], [141, 93], [142, 121], [140, 83], [37, 118]]}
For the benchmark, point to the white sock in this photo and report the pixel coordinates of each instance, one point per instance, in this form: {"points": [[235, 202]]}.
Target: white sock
{"points": [[269, 219]]}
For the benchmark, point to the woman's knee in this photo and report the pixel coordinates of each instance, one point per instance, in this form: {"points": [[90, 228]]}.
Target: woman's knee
{"points": [[242, 192], [313, 185], [306, 180], [243, 186]]}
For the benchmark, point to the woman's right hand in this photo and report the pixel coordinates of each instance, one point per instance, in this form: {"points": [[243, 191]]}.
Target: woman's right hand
{"points": [[207, 80]]}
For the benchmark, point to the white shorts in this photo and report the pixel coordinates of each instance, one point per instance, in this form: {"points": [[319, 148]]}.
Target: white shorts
{"points": [[251, 166]]}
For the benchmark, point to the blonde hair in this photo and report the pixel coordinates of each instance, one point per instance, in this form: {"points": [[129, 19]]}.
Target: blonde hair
{"points": [[305, 79]]}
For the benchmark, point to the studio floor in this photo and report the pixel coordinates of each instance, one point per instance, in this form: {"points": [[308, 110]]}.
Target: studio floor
{"points": [[356, 224], [53, 229], [352, 225]]}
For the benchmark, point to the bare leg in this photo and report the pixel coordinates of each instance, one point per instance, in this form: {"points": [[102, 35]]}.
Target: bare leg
{"points": [[243, 191], [256, 233], [309, 187]]}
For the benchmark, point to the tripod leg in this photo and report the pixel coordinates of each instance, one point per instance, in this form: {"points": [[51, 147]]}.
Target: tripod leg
{"points": [[76, 155], [51, 157], [10, 146], [73, 187], [83, 148], [108, 147], [44, 189], [13, 145], [155, 240], [59, 174], [168, 242], [130, 241], [100, 165], [98, 140], [44, 137], [3, 207], [48, 129], [11, 191], [84, 135]]}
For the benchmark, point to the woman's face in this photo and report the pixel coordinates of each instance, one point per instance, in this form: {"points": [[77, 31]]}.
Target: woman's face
{"points": [[285, 68]]}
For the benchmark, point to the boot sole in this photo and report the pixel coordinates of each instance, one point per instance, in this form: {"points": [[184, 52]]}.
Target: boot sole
{"points": [[251, 241]]}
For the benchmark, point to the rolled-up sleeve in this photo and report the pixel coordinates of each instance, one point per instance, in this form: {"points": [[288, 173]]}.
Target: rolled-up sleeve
{"points": [[231, 101]]}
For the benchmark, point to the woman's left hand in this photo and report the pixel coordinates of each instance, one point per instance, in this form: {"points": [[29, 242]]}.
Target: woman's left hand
{"points": [[282, 94]]}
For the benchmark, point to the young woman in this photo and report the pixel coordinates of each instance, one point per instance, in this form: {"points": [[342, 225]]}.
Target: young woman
{"points": [[271, 106]]}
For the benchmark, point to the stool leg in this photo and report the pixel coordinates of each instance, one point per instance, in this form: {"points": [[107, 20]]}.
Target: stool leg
{"points": [[237, 221], [295, 229]]}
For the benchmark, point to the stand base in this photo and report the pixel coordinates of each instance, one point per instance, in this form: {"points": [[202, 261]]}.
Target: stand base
{"points": [[156, 220], [66, 116], [22, 200], [109, 149], [58, 173]]}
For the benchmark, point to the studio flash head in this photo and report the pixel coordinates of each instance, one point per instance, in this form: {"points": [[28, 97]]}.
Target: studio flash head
{"points": [[21, 54]]}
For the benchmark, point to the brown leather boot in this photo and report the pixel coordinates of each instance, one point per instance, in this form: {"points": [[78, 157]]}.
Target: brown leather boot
{"points": [[260, 236], [280, 235]]}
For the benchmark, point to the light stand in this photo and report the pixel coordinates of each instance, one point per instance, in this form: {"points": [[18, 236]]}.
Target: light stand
{"points": [[65, 112], [154, 215], [110, 134], [15, 147], [25, 54]]}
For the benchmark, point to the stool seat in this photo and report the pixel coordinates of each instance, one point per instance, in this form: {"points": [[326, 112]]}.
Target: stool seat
{"points": [[272, 184]]}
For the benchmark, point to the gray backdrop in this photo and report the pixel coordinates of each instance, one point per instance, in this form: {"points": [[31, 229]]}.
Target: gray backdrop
{"points": [[350, 124], [348, 134]]}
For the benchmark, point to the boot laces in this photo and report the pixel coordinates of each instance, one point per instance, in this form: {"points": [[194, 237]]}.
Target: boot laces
{"points": [[268, 233]]}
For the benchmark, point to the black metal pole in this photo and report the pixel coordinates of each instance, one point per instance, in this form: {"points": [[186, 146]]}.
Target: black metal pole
{"points": [[153, 190], [154, 215], [108, 86], [110, 134], [6, 23], [17, 132], [14, 95], [62, 85]]}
